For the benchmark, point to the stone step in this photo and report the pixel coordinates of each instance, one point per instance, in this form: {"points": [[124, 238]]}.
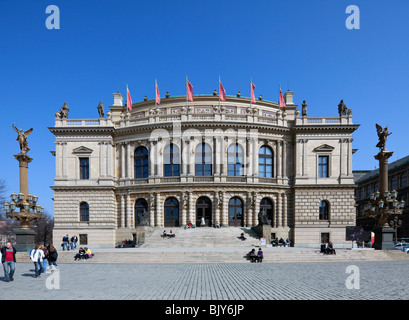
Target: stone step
{"points": [[163, 256]]}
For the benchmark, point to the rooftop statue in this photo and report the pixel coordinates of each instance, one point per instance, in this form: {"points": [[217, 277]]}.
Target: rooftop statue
{"points": [[342, 108], [64, 111], [22, 138], [382, 135], [101, 110]]}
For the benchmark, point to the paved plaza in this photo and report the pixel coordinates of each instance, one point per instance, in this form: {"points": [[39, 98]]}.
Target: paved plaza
{"points": [[383, 280]]}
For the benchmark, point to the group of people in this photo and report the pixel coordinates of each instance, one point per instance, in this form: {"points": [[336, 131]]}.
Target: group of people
{"points": [[40, 255], [168, 235], [190, 225], [280, 242], [256, 257], [83, 254], [327, 248], [68, 243]]}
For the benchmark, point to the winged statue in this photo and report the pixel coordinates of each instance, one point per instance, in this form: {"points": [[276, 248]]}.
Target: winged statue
{"points": [[382, 135], [22, 138]]}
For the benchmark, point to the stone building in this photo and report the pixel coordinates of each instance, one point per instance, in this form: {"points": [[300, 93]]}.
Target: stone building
{"points": [[224, 161]]}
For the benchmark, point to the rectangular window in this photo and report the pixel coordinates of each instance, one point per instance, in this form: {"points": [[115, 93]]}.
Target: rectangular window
{"points": [[83, 239], [84, 168], [323, 167]]}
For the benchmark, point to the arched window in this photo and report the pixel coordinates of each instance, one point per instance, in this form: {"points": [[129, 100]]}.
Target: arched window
{"points": [[84, 211], [324, 210], [236, 212], [171, 212], [171, 161], [203, 161], [235, 160], [141, 205], [266, 205], [265, 162], [141, 163]]}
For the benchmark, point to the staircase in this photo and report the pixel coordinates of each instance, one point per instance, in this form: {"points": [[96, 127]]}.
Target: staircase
{"points": [[210, 245], [202, 238]]}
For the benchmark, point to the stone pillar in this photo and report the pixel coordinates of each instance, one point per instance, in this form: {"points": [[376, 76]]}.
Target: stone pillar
{"points": [[129, 212], [122, 211], [123, 160], [278, 159], [159, 211], [64, 159]]}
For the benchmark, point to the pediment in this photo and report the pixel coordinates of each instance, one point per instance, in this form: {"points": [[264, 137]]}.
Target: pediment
{"points": [[82, 149], [324, 148]]}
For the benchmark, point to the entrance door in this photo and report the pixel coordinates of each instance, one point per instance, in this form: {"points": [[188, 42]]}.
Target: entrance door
{"points": [[204, 210], [171, 212], [235, 212], [267, 206]]}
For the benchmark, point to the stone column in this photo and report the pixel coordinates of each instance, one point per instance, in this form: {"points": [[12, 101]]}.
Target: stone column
{"points": [[122, 211], [110, 169], [57, 160], [285, 221], [158, 211], [123, 174], [64, 159], [129, 212], [278, 159], [284, 166]]}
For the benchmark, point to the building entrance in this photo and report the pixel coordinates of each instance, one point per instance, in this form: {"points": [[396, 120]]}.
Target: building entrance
{"points": [[203, 210]]}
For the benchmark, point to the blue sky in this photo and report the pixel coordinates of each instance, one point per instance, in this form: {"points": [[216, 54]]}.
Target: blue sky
{"points": [[103, 45]]}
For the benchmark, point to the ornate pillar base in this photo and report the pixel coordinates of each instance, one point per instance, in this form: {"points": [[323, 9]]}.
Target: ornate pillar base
{"points": [[384, 238], [24, 239]]}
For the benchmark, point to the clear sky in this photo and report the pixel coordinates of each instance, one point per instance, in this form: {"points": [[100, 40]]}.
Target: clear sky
{"points": [[103, 45]]}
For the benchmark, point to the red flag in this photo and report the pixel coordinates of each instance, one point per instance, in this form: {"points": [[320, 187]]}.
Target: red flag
{"points": [[189, 89], [253, 99], [157, 94], [222, 92], [128, 99], [282, 102]]}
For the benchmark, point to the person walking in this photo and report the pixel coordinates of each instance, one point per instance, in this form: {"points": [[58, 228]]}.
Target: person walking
{"points": [[8, 259], [37, 255], [52, 256], [45, 259]]}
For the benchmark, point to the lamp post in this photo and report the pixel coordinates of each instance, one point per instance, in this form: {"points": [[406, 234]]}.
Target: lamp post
{"points": [[383, 204], [23, 206]]}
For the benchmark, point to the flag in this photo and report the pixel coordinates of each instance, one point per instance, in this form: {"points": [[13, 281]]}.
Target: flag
{"points": [[128, 99], [282, 102], [253, 99], [189, 89], [222, 92], [157, 93]]}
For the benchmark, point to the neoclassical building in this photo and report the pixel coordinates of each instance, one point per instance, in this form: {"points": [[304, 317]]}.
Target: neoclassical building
{"points": [[224, 161]]}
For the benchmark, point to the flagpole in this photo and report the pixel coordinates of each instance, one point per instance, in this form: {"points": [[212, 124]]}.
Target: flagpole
{"points": [[156, 88], [279, 88], [219, 92], [186, 94], [251, 89]]}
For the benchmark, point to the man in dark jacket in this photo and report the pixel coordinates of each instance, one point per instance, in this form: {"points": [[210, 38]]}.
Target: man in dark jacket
{"points": [[8, 259]]}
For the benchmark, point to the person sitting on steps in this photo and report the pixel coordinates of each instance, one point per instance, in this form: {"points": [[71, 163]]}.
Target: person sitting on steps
{"points": [[242, 237]]}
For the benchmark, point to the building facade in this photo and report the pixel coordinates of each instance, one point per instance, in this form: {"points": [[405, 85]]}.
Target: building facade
{"points": [[174, 163]]}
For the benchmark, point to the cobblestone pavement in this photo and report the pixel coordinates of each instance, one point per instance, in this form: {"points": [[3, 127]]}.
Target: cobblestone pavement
{"points": [[384, 280]]}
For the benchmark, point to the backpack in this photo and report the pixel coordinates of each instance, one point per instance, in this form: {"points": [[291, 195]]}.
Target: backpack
{"points": [[32, 253]]}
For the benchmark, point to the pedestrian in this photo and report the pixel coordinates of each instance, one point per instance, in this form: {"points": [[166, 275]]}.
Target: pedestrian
{"points": [[37, 255], [52, 256], [74, 241], [202, 222], [65, 243], [45, 259], [8, 259]]}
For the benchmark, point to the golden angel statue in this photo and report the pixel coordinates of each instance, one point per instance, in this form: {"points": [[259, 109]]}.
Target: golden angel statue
{"points": [[22, 138], [382, 135]]}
